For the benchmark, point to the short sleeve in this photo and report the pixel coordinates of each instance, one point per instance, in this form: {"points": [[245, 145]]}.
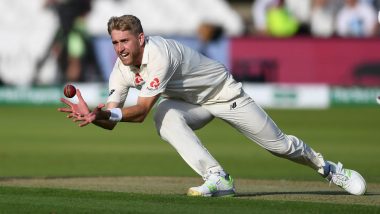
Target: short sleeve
{"points": [[117, 86], [161, 68]]}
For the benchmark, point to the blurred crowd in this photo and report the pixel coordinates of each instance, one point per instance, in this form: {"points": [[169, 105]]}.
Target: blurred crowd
{"points": [[317, 18], [72, 33], [275, 18], [72, 44]]}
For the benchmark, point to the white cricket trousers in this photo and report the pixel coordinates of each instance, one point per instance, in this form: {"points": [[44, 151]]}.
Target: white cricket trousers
{"points": [[176, 121]]}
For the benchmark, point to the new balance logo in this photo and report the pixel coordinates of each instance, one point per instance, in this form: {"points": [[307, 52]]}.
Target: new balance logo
{"points": [[233, 106], [111, 92]]}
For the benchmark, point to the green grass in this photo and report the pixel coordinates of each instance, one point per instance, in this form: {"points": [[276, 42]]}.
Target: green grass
{"points": [[33, 200], [40, 142]]}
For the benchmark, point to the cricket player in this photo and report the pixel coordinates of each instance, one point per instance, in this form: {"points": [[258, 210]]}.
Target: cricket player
{"points": [[193, 89]]}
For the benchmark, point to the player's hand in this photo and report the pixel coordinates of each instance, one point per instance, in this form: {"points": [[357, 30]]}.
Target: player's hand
{"points": [[96, 114], [81, 108]]}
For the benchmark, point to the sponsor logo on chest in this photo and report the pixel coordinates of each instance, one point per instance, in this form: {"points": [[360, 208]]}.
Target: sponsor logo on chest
{"points": [[154, 84], [139, 81]]}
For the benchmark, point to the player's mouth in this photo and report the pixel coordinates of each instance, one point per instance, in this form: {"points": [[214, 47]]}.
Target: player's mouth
{"points": [[124, 55]]}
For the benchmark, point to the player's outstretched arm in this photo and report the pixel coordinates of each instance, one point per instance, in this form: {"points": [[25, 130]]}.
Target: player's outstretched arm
{"points": [[72, 109], [136, 113], [80, 110], [106, 124]]}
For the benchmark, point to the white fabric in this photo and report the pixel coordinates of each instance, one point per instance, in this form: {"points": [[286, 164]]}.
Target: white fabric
{"points": [[358, 21], [322, 22], [197, 89], [116, 114], [176, 71], [300, 9], [245, 116]]}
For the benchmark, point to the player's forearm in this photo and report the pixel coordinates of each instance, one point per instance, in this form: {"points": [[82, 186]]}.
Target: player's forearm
{"points": [[101, 118], [137, 113], [130, 114], [105, 124], [134, 113]]}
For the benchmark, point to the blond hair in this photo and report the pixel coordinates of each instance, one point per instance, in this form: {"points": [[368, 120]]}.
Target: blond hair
{"points": [[125, 23]]}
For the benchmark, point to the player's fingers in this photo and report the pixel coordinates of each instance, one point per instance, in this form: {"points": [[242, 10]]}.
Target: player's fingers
{"points": [[66, 102], [79, 95], [71, 115], [101, 105], [68, 110], [84, 123], [76, 119], [78, 114]]}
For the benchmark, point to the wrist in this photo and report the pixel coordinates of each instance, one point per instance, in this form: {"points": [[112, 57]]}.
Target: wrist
{"points": [[116, 114]]}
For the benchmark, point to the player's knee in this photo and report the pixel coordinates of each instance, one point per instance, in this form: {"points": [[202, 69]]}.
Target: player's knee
{"points": [[283, 148], [280, 152], [289, 146], [166, 121]]}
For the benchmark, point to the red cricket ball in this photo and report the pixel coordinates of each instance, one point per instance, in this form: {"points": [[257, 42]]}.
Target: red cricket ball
{"points": [[69, 91]]}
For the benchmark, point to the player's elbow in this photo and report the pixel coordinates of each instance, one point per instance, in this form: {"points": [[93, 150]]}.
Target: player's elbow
{"points": [[140, 119], [142, 116], [110, 128], [108, 125]]}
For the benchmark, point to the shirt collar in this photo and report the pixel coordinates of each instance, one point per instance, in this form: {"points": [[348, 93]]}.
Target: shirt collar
{"points": [[145, 58]]}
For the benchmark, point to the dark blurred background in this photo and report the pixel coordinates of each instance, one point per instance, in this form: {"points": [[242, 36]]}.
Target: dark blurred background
{"points": [[281, 49]]}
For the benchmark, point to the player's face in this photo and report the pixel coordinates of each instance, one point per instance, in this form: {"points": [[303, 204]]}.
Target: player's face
{"points": [[128, 47]]}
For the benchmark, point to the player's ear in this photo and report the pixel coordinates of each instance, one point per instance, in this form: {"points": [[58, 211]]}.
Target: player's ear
{"points": [[141, 39]]}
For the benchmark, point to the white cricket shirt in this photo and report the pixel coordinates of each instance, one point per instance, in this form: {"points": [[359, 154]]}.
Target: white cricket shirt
{"points": [[175, 71]]}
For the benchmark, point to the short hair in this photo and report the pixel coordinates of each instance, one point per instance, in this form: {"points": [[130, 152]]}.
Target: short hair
{"points": [[125, 23]]}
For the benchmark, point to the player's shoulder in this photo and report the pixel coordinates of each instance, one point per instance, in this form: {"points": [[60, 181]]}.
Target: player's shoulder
{"points": [[159, 41], [120, 71], [119, 67], [155, 39], [158, 45]]}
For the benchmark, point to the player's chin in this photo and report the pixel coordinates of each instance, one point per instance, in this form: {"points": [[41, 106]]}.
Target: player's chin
{"points": [[126, 61]]}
